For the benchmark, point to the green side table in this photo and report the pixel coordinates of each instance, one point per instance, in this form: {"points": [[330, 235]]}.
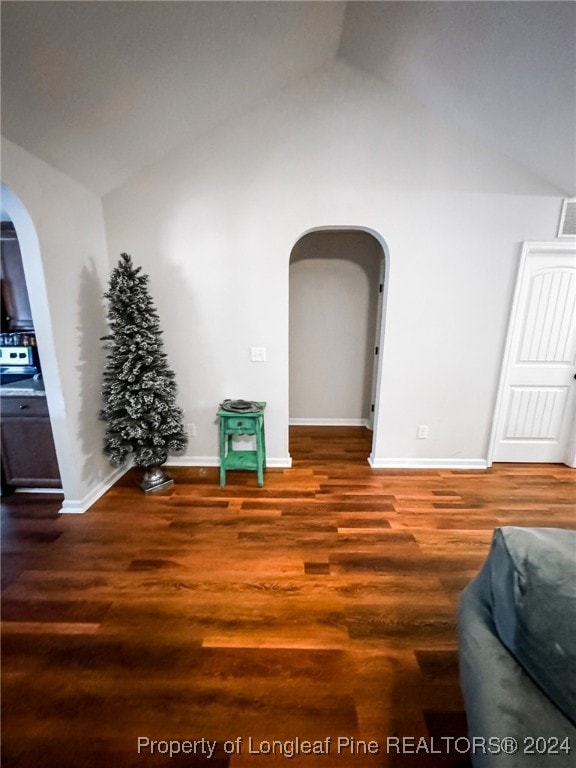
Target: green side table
{"points": [[233, 424]]}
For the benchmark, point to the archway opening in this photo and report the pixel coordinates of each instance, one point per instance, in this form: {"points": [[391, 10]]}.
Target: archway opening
{"points": [[47, 435], [337, 287]]}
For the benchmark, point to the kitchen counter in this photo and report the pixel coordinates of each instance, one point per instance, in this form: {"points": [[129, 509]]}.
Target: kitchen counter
{"points": [[24, 388]]}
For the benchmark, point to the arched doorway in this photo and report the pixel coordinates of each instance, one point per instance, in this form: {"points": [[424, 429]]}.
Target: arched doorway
{"points": [[14, 211], [337, 291]]}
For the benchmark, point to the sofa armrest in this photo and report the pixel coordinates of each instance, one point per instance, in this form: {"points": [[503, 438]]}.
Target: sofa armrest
{"points": [[502, 699]]}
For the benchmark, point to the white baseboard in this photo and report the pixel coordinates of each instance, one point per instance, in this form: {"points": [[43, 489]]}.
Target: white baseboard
{"points": [[329, 422], [79, 506], [427, 463], [39, 490], [193, 461], [214, 461], [286, 463], [282, 463]]}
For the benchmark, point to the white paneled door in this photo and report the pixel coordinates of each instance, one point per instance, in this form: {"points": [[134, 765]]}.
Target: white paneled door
{"points": [[534, 419]]}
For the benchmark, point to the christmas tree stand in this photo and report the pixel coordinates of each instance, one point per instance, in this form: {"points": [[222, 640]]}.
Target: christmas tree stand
{"points": [[155, 479]]}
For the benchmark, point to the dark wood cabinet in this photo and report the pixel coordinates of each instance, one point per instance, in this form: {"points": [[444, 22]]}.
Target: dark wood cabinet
{"points": [[28, 454]]}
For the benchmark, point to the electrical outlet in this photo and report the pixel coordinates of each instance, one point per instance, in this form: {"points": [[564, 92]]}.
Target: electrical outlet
{"points": [[422, 432], [191, 429], [258, 354]]}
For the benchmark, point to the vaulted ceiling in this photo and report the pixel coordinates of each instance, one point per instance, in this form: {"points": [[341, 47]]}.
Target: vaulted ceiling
{"points": [[102, 89]]}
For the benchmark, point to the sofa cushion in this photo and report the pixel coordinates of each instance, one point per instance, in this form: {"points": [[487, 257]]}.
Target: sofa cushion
{"points": [[533, 584]]}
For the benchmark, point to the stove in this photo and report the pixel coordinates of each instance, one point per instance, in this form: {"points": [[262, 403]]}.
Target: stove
{"points": [[17, 364]]}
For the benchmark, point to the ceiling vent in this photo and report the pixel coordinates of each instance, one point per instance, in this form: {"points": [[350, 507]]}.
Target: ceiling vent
{"points": [[567, 226]]}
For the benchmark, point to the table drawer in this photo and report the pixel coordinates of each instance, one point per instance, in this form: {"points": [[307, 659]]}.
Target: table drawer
{"points": [[24, 406], [245, 424]]}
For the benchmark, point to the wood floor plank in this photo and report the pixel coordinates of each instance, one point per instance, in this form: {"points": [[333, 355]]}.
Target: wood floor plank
{"points": [[320, 606]]}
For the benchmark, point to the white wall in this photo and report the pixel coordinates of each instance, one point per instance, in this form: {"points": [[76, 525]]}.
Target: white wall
{"points": [[61, 234], [334, 280], [488, 67], [214, 225]]}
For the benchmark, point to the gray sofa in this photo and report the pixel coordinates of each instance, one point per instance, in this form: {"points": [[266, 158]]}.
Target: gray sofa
{"points": [[517, 651]]}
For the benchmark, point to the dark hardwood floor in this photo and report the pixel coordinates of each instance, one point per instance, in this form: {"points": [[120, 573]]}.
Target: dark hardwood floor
{"points": [[320, 607]]}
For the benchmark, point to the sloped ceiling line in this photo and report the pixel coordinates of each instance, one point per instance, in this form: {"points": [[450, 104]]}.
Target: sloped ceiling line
{"points": [[101, 90]]}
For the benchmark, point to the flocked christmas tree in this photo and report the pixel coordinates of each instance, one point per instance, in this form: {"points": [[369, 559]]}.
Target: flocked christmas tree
{"points": [[143, 421]]}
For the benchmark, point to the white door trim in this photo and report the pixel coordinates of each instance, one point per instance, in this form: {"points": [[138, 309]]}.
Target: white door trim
{"points": [[529, 248]]}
